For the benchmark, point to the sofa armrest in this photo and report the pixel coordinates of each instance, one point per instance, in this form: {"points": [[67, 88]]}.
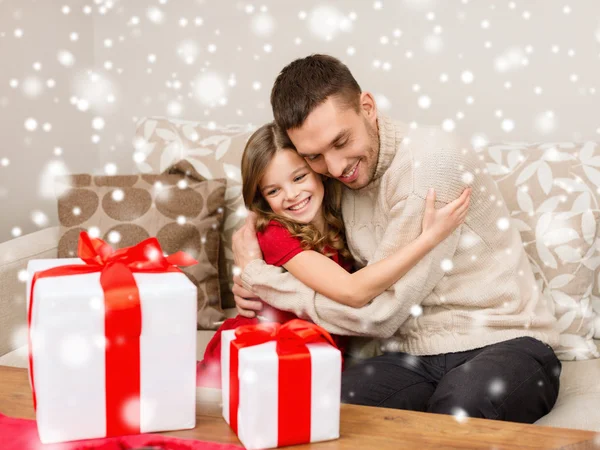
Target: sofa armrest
{"points": [[14, 255]]}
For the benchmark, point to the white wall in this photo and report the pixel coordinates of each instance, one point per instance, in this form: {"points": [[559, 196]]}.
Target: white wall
{"points": [[396, 49]]}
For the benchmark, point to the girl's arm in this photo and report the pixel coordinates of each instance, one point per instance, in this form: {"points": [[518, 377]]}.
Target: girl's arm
{"points": [[326, 277]]}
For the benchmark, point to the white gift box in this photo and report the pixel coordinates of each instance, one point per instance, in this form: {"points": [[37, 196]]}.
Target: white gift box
{"points": [[258, 373], [68, 353]]}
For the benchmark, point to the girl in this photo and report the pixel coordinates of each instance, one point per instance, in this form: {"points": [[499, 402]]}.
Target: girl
{"points": [[299, 227]]}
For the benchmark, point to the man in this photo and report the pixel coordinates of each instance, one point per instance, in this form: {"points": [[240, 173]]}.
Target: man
{"points": [[465, 331]]}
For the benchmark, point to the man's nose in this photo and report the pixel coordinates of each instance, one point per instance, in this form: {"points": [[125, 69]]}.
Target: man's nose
{"points": [[335, 165]]}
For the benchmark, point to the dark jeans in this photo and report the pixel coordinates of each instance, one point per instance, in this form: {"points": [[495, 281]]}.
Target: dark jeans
{"points": [[516, 380]]}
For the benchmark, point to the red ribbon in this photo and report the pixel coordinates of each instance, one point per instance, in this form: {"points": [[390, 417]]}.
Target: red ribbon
{"points": [[122, 318], [294, 392]]}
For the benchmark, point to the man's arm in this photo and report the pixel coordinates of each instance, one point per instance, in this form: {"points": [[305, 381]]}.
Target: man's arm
{"points": [[384, 315], [442, 169]]}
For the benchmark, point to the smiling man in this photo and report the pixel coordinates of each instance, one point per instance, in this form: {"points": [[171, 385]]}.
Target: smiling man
{"points": [[466, 330]]}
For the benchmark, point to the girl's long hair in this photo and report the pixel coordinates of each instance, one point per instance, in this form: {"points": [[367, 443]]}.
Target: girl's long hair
{"points": [[258, 153]]}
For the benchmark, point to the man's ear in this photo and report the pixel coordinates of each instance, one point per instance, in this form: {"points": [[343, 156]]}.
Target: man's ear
{"points": [[368, 107]]}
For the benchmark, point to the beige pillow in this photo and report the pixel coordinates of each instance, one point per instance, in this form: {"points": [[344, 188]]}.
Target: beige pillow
{"points": [[551, 190], [182, 212], [560, 248], [214, 152]]}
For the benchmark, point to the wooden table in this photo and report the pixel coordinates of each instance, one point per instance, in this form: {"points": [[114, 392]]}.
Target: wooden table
{"points": [[362, 427]]}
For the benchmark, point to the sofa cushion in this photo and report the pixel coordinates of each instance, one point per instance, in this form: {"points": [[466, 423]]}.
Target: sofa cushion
{"points": [[184, 213], [578, 397], [551, 191], [215, 152], [14, 255]]}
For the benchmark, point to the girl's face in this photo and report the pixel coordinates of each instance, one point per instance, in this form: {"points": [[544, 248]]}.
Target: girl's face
{"points": [[292, 189]]}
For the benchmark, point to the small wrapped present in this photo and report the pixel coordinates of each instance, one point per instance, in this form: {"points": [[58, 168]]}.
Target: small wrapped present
{"points": [[112, 342], [281, 384]]}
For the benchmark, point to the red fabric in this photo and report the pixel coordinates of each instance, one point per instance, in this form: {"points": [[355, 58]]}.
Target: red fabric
{"points": [[277, 244], [278, 247], [21, 434]]}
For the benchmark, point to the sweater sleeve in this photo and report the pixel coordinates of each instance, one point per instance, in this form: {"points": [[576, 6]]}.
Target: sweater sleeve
{"points": [[384, 314]]}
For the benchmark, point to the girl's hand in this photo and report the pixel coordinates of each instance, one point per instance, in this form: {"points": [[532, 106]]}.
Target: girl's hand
{"points": [[438, 224]]}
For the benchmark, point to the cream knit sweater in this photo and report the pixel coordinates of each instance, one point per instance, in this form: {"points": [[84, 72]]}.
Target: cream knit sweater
{"points": [[474, 289]]}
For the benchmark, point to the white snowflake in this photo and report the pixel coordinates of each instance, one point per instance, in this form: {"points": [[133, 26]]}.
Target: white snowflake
{"points": [[74, 350], [249, 376], [22, 275], [460, 414], [263, 25], [174, 108], [508, 125], [114, 237], [467, 77], [448, 125], [383, 102], [326, 21], [424, 102], [131, 412], [98, 123], [545, 122], [209, 88], [416, 310], [66, 58], [118, 195], [467, 178], [155, 15], [447, 265], [497, 387], [433, 44], [39, 218], [32, 87], [110, 169]]}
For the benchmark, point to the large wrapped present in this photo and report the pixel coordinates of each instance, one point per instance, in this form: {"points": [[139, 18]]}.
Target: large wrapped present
{"points": [[281, 384], [112, 342]]}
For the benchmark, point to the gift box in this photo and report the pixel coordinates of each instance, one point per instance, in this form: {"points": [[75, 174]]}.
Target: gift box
{"points": [[281, 384], [112, 342]]}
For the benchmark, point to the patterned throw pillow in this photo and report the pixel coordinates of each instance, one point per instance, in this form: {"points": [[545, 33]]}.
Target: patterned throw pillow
{"points": [[214, 152], [552, 191], [561, 248], [182, 212]]}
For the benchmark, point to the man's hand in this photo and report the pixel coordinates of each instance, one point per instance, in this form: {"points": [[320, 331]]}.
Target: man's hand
{"points": [[245, 244], [245, 249], [245, 301]]}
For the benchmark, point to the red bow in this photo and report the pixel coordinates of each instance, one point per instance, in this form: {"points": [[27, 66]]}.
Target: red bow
{"points": [[294, 388], [123, 316]]}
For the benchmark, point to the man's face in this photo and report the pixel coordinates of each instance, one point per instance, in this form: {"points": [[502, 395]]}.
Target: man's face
{"points": [[339, 142]]}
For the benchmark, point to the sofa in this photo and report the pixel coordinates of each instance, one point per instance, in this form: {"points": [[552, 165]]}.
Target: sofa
{"points": [[550, 189]]}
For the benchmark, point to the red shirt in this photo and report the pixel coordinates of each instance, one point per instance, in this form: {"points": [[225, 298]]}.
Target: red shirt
{"points": [[279, 246]]}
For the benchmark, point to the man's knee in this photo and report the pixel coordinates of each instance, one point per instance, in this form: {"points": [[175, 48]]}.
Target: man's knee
{"points": [[356, 382], [463, 403]]}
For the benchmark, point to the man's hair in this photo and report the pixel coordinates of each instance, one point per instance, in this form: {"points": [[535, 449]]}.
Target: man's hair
{"points": [[306, 83]]}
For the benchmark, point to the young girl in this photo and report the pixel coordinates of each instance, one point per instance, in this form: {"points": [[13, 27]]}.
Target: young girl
{"points": [[299, 227]]}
